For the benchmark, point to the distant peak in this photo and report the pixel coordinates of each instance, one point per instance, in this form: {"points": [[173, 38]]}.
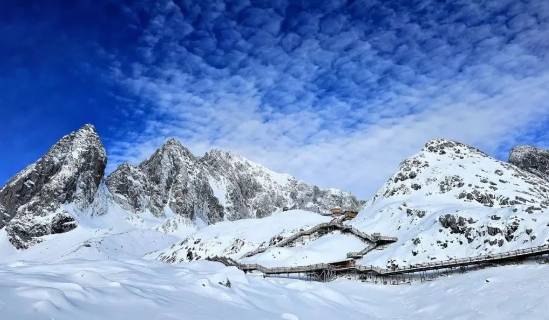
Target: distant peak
{"points": [[88, 126], [175, 147], [85, 136], [172, 144], [532, 159], [521, 150]]}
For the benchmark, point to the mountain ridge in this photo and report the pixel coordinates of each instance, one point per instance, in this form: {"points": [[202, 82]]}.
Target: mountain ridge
{"points": [[221, 184], [47, 197]]}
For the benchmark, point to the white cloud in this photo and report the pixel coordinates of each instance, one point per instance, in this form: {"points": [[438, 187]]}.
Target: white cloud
{"points": [[344, 111]]}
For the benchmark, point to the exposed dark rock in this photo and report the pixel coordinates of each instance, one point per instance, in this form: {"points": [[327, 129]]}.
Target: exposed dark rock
{"points": [[62, 223], [457, 224], [532, 159], [511, 229], [493, 230]]}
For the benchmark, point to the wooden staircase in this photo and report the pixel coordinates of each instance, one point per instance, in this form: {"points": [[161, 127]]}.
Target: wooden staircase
{"points": [[374, 239]]}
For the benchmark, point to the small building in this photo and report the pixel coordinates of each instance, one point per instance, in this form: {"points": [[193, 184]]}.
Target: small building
{"points": [[336, 211], [350, 214], [343, 264]]}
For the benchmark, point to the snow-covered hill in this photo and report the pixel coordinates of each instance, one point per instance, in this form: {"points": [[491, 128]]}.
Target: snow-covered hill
{"points": [[452, 200]]}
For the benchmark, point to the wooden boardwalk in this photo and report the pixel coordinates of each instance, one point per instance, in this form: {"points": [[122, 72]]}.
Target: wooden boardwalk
{"points": [[374, 239], [326, 271], [464, 262]]}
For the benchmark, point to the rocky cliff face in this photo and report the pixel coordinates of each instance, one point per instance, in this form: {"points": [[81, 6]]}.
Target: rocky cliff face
{"points": [[452, 200], [531, 159], [218, 186], [31, 203], [172, 180]]}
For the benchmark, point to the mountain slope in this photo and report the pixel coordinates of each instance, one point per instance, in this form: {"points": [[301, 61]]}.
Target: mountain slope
{"points": [[70, 172], [452, 200], [218, 186]]}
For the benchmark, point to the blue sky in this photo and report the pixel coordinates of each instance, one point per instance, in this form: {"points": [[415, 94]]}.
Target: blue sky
{"points": [[334, 92]]}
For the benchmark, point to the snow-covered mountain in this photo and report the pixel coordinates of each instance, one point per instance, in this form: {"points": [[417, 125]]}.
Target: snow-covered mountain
{"points": [[449, 200], [452, 200], [31, 203], [218, 186], [52, 195]]}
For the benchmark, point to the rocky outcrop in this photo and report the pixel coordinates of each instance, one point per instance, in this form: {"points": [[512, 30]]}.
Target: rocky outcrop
{"points": [[218, 186], [532, 159], [31, 203]]}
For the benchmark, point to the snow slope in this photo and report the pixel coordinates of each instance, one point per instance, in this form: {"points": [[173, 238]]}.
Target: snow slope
{"points": [[331, 247], [234, 238], [114, 235], [137, 289]]}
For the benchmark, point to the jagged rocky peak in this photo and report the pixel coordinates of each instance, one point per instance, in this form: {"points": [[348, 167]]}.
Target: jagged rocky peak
{"points": [[218, 186], [532, 159], [31, 203], [170, 181]]}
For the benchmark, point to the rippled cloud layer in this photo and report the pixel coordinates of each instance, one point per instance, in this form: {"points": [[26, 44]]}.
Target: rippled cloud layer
{"points": [[337, 92]]}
